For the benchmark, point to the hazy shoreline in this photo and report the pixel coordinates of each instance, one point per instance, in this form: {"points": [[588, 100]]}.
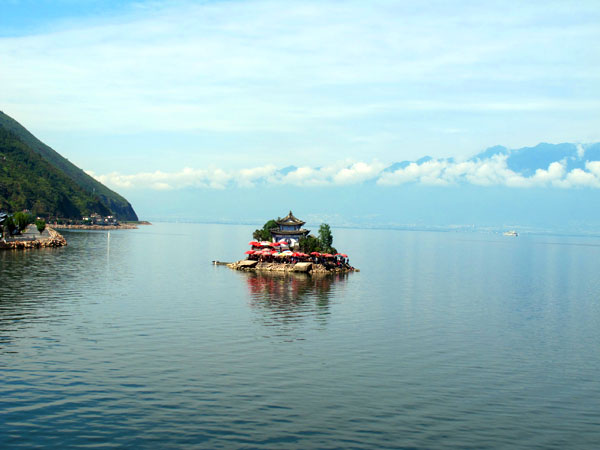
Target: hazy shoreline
{"points": [[123, 226]]}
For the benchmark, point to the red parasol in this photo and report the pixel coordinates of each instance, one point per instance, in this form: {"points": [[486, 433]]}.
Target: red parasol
{"points": [[328, 255], [254, 244], [315, 253], [249, 252], [344, 255]]}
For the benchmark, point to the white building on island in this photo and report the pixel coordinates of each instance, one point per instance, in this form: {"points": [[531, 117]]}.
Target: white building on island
{"points": [[289, 229]]}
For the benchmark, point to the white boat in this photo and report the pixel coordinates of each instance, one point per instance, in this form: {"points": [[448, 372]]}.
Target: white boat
{"points": [[511, 233]]}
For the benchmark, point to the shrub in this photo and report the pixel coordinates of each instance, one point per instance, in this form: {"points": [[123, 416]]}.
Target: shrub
{"points": [[22, 219], [9, 226], [309, 244], [40, 225], [264, 234]]}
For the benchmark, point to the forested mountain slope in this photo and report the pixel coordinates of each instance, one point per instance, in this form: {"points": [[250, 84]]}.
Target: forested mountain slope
{"points": [[35, 177]]}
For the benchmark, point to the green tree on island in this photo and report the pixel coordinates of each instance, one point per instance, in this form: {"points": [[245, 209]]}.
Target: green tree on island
{"points": [[40, 225], [322, 244], [9, 226], [309, 244], [264, 234], [22, 220], [325, 236]]}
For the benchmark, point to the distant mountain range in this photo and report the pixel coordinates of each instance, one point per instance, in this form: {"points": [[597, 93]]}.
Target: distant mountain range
{"points": [[33, 176], [526, 160], [523, 161]]}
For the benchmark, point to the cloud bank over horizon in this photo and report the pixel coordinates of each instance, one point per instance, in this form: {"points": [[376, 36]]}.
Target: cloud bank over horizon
{"points": [[546, 165]]}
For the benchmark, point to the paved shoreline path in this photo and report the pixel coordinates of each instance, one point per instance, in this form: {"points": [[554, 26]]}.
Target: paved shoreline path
{"points": [[32, 238]]}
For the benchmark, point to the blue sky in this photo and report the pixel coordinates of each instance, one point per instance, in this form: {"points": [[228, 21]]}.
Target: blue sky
{"points": [[182, 89]]}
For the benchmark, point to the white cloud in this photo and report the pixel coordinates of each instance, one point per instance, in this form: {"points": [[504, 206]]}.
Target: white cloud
{"points": [[492, 171], [158, 180], [593, 167], [357, 172], [305, 176], [580, 178], [488, 172]]}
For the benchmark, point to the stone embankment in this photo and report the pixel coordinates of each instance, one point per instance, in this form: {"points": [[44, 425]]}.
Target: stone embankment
{"points": [[249, 265], [50, 238]]}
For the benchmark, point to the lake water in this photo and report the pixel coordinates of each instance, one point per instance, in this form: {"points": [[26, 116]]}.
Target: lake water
{"points": [[443, 340]]}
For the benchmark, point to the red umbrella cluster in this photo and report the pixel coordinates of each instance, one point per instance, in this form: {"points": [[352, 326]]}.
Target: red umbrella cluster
{"points": [[267, 244], [267, 249]]}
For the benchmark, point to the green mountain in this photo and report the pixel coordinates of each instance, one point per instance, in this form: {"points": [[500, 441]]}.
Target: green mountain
{"points": [[33, 176]]}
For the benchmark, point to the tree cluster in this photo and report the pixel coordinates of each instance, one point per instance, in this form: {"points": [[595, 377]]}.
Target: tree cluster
{"points": [[308, 244], [321, 244], [264, 233], [17, 223]]}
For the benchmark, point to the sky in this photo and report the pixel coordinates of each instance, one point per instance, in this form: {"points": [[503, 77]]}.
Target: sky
{"points": [[145, 95]]}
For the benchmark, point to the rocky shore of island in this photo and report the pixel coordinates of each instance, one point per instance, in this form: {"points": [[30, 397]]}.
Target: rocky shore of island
{"points": [[49, 239], [302, 267]]}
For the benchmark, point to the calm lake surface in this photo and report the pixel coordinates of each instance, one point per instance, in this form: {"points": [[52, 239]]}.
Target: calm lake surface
{"points": [[443, 340]]}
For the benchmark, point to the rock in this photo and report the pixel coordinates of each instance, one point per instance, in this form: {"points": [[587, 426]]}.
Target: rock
{"points": [[302, 267], [246, 264]]}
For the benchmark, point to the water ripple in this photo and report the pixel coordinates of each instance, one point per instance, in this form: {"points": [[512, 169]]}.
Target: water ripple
{"points": [[454, 342]]}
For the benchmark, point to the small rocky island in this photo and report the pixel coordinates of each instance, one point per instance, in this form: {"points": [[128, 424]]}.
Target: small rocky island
{"points": [[282, 245]]}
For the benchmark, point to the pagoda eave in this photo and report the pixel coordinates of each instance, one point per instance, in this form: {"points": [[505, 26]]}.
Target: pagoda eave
{"points": [[278, 232]]}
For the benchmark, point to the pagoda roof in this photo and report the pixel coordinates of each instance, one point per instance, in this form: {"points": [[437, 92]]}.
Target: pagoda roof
{"points": [[290, 219], [278, 232]]}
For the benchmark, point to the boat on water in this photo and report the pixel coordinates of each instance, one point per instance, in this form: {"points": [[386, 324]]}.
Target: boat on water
{"points": [[510, 233]]}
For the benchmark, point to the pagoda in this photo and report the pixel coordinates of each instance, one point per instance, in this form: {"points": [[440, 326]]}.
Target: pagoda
{"points": [[289, 229]]}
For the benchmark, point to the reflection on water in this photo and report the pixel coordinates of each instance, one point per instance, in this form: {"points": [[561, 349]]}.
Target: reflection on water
{"points": [[286, 298], [44, 288], [22, 303]]}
